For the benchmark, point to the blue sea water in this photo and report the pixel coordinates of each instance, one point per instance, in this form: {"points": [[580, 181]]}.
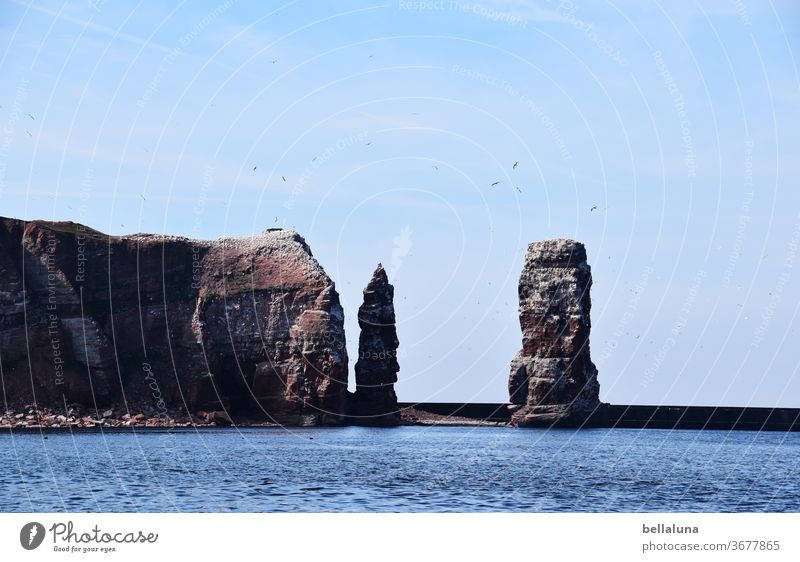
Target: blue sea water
{"points": [[430, 469]]}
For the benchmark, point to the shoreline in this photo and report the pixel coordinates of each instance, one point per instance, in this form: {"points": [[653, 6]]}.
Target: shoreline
{"points": [[433, 414]]}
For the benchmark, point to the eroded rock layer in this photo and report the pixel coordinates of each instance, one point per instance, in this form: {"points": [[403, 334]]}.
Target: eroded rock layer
{"points": [[251, 325], [375, 401], [553, 379]]}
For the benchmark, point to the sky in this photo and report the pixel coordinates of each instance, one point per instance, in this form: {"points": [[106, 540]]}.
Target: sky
{"points": [[664, 136]]}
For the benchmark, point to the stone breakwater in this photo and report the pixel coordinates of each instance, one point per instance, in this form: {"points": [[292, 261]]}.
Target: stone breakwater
{"points": [[76, 416], [553, 379]]}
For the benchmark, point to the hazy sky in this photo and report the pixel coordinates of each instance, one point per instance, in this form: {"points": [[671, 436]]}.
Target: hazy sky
{"points": [[681, 124]]}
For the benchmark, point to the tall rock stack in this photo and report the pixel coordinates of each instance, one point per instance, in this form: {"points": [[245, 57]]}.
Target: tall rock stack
{"points": [[377, 367], [553, 379]]}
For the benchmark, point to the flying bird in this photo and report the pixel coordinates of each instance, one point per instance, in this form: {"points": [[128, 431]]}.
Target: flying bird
{"points": [[274, 61], [593, 208], [283, 178], [254, 168], [515, 165], [436, 167], [368, 143], [494, 184], [32, 117], [518, 189]]}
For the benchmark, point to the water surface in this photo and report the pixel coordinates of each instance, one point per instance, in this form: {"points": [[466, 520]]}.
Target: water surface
{"points": [[463, 469]]}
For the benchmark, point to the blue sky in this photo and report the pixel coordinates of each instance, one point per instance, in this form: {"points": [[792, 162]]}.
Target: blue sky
{"points": [[390, 121]]}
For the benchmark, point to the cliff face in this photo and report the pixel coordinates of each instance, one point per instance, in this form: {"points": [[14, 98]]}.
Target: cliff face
{"points": [[553, 379], [375, 401], [252, 325]]}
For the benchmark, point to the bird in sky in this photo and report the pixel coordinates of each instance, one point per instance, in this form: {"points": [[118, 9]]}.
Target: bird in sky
{"points": [[494, 184], [368, 143], [436, 167], [32, 117], [515, 165], [274, 61], [254, 168], [283, 178], [593, 208], [518, 189]]}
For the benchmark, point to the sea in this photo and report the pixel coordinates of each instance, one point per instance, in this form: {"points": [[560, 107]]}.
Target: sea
{"points": [[403, 469]]}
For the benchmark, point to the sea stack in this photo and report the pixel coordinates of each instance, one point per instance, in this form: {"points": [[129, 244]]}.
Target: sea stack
{"points": [[248, 326], [553, 380], [375, 401]]}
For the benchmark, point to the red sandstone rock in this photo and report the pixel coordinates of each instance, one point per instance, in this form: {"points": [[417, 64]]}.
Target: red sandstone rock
{"points": [[248, 325], [219, 418], [553, 379]]}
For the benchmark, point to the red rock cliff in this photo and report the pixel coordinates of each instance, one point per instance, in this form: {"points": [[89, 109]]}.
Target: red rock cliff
{"points": [[253, 325]]}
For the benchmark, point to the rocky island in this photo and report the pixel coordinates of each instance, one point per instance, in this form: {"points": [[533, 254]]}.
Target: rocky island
{"points": [[153, 330]]}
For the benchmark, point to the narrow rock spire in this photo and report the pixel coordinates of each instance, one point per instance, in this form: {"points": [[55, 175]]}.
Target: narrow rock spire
{"points": [[377, 367]]}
